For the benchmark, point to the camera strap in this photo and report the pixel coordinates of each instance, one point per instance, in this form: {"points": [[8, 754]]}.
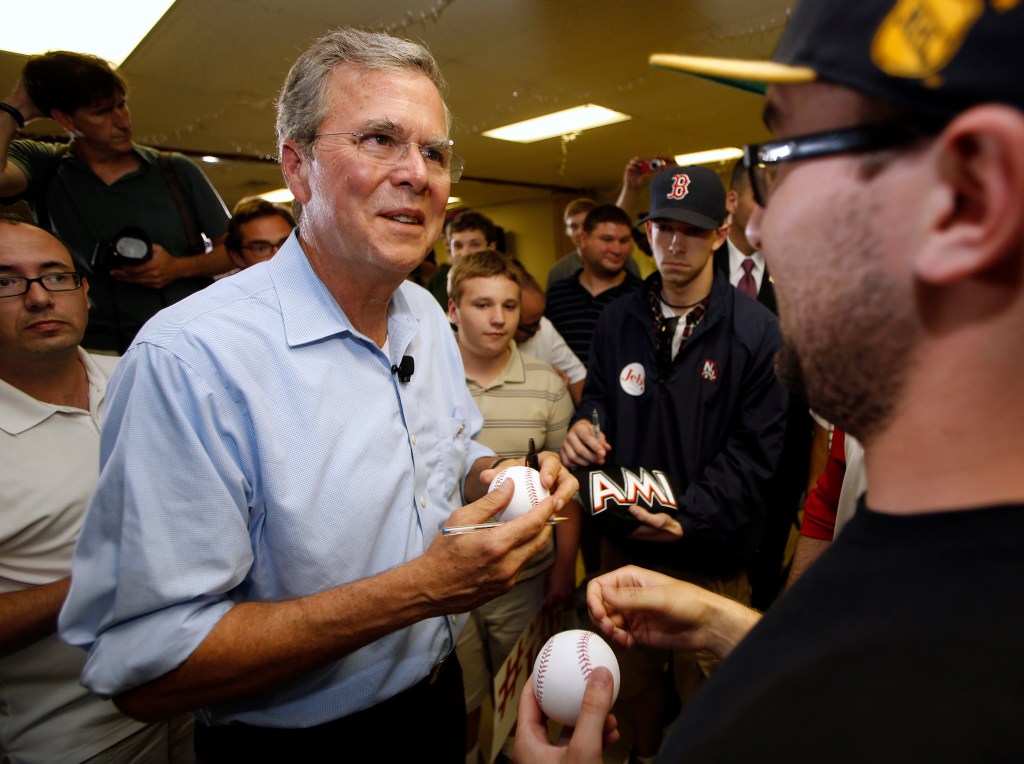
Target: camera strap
{"points": [[196, 243]]}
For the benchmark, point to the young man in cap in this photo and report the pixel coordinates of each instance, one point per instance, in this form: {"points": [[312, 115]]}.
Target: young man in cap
{"points": [[890, 211], [680, 375]]}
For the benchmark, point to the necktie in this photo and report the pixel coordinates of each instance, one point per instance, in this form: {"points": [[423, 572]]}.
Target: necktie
{"points": [[747, 284]]}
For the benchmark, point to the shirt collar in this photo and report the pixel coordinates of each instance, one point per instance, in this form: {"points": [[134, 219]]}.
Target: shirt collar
{"points": [[310, 313], [514, 371], [20, 412], [736, 257], [145, 153]]}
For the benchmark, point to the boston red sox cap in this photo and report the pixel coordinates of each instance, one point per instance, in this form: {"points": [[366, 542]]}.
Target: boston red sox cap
{"points": [[935, 58], [693, 195]]}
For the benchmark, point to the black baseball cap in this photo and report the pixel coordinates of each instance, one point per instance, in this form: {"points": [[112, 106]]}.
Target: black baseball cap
{"points": [[693, 195], [935, 58]]}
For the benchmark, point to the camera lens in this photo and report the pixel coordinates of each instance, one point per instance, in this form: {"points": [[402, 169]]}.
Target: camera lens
{"points": [[131, 248]]}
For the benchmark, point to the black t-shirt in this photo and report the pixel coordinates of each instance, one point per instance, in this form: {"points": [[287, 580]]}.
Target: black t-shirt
{"points": [[903, 643]]}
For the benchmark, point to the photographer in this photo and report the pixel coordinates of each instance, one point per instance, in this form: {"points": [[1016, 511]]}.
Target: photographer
{"points": [[89, 191]]}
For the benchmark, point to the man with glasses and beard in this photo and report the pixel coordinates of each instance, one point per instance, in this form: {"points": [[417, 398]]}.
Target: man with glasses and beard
{"points": [[890, 210]]}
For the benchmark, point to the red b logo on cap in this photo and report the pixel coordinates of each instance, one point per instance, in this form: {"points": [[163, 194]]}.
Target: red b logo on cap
{"points": [[680, 185]]}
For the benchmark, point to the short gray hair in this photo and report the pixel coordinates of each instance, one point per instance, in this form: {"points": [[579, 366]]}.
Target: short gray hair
{"points": [[302, 105]]}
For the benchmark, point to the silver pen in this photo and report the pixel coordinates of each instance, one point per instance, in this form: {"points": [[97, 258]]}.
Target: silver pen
{"points": [[596, 421], [462, 530]]}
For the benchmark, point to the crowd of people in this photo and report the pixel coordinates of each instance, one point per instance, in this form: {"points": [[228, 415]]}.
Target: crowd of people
{"points": [[232, 441]]}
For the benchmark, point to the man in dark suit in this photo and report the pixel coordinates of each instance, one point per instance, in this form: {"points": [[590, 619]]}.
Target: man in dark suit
{"points": [[730, 259]]}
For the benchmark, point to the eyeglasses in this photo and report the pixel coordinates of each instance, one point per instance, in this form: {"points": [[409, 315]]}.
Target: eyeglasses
{"points": [[262, 248], [385, 149], [12, 286], [762, 160]]}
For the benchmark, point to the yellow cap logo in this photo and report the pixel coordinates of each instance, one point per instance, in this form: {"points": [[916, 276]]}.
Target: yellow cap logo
{"points": [[918, 38]]}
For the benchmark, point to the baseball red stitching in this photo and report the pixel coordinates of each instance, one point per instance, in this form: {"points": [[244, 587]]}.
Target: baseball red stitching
{"points": [[583, 653], [531, 489], [542, 669]]}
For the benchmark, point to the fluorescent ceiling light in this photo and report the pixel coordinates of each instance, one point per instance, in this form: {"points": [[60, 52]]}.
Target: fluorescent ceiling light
{"points": [[561, 122], [454, 200], [710, 156], [278, 196], [210, 159], [109, 29]]}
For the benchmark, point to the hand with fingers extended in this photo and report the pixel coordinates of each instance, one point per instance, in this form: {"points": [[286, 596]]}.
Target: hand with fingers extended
{"points": [[582, 744], [634, 606]]}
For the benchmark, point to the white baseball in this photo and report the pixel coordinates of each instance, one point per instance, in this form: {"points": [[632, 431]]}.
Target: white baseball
{"points": [[563, 668], [528, 491]]}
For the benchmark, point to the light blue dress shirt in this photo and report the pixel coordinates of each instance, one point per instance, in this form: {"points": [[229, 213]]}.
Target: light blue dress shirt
{"points": [[257, 447]]}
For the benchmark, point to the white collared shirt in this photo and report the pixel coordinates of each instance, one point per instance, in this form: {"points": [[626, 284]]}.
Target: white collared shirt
{"points": [[736, 259]]}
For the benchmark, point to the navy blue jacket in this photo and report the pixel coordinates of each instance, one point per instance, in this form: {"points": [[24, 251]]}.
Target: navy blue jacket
{"points": [[713, 420]]}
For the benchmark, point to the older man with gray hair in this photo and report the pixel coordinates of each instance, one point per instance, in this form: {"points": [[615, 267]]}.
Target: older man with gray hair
{"points": [[284, 576]]}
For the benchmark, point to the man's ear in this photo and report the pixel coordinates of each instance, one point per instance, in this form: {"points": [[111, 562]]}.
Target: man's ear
{"points": [[648, 228], [453, 311], [721, 234], [974, 211], [64, 120], [731, 200], [296, 167], [236, 258]]}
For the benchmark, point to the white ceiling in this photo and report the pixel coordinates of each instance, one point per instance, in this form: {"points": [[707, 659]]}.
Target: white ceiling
{"points": [[206, 77]]}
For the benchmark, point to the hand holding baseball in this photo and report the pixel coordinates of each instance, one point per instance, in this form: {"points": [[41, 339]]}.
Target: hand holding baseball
{"points": [[528, 491], [553, 476], [595, 728], [459, 573]]}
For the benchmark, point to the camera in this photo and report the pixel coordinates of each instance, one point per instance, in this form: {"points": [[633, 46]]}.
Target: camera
{"points": [[130, 246], [652, 165]]}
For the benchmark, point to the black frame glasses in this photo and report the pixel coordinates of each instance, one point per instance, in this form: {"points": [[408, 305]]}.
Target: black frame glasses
{"points": [[262, 248], [385, 149], [762, 159], [51, 282]]}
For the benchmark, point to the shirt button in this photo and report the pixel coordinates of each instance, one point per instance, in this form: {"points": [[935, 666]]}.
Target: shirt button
{"points": [[414, 440], [423, 501]]}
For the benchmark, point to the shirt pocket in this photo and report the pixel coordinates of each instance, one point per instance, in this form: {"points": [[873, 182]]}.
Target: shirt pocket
{"points": [[452, 453]]}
